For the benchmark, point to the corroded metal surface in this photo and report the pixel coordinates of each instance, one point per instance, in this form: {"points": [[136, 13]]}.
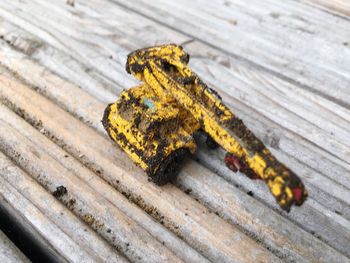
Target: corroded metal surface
{"points": [[175, 103]]}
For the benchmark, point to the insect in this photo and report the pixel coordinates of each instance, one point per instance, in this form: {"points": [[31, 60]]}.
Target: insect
{"points": [[154, 124]]}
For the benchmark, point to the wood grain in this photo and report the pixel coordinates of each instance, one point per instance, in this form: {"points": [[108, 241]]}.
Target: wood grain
{"points": [[32, 198], [292, 95], [214, 238], [328, 140], [290, 39], [9, 252], [255, 220], [340, 7], [325, 141]]}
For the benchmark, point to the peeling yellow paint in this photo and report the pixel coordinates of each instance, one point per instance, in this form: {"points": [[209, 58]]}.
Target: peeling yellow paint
{"points": [[153, 120]]}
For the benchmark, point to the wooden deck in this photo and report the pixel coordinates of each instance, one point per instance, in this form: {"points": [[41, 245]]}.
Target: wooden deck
{"points": [[282, 66], [9, 253]]}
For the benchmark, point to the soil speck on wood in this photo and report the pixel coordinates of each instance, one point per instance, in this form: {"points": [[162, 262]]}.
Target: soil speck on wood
{"points": [[60, 190]]}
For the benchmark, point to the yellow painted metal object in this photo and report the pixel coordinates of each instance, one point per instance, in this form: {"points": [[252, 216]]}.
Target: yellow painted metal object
{"points": [[154, 124]]}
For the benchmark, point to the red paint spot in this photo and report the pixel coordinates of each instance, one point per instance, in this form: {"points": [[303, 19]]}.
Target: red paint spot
{"points": [[235, 165], [231, 162], [297, 193]]}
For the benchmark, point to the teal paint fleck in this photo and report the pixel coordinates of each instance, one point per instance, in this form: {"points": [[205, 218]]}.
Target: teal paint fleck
{"points": [[149, 103]]}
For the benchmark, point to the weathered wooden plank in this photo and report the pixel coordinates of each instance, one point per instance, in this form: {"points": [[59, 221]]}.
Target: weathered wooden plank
{"points": [[67, 43], [9, 253], [293, 40], [315, 162], [64, 65], [116, 228], [320, 136], [256, 220], [329, 142], [56, 213], [341, 7], [122, 232], [208, 233], [65, 246], [283, 141], [183, 250], [154, 228], [259, 79]]}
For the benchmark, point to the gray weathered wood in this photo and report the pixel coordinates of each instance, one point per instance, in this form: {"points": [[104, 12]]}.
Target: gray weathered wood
{"points": [[85, 175], [291, 39], [9, 253], [121, 67], [51, 211], [306, 125], [340, 7], [65, 246], [213, 237], [233, 199], [316, 137], [257, 76]]}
